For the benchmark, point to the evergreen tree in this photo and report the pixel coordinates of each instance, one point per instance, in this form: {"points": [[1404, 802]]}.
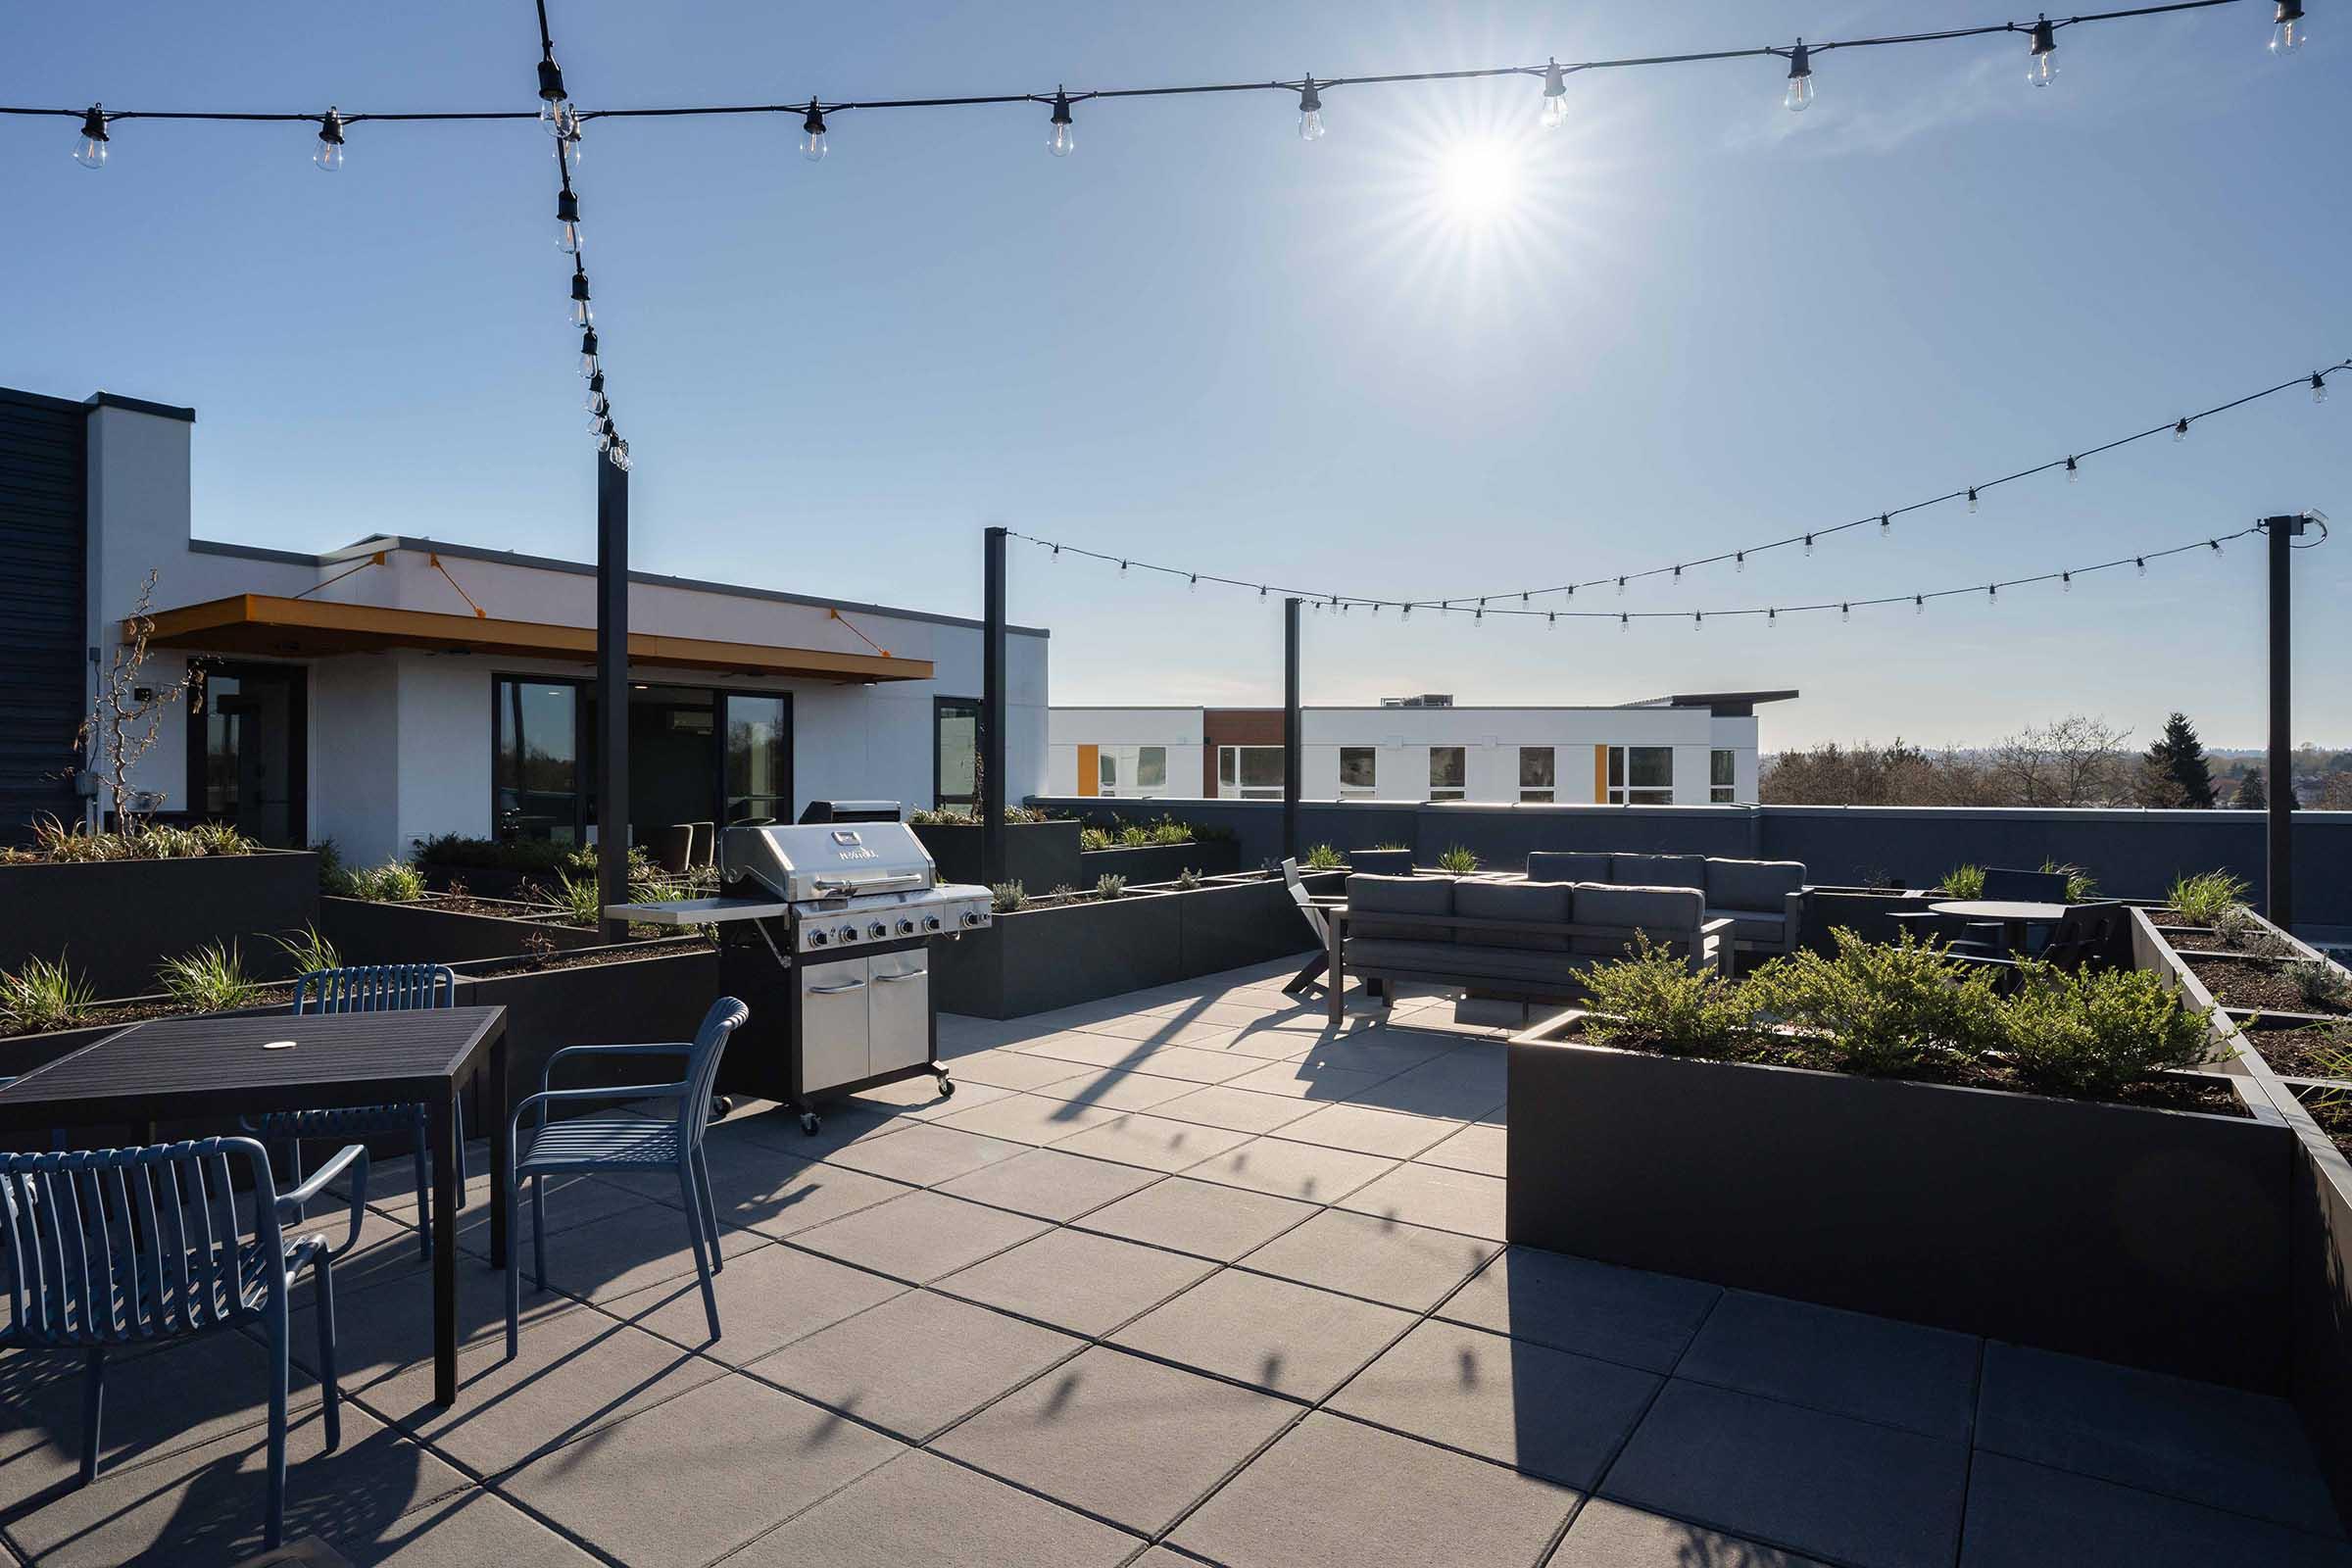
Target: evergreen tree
{"points": [[2177, 756], [2251, 796]]}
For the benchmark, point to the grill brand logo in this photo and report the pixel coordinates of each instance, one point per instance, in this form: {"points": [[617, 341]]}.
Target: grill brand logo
{"points": [[850, 849]]}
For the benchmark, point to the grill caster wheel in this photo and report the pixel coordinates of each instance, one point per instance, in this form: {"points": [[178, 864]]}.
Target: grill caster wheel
{"points": [[809, 1122], [722, 1108], [946, 1087]]}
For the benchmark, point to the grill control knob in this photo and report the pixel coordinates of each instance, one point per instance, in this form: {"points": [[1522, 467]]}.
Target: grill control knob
{"points": [[906, 926], [877, 930], [971, 918], [816, 938], [930, 923], [848, 933]]}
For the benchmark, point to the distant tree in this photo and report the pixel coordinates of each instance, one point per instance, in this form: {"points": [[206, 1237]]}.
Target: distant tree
{"points": [[2251, 796], [2078, 760], [2175, 768], [2335, 791]]}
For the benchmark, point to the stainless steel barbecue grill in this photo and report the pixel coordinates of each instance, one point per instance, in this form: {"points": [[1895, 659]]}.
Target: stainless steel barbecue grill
{"points": [[843, 1002]]}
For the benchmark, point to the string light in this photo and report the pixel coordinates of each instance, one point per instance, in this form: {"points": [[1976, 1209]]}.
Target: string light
{"points": [[329, 156], [1808, 543], [2318, 387], [2044, 68], [2073, 473], [1972, 500], [554, 103], [1555, 97], [2180, 428], [590, 365], [1310, 112], [597, 403], [2287, 31], [1064, 136], [1800, 78], [1886, 525], [567, 222], [90, 150], [1739, 561], [583, 314], [812, 133]]}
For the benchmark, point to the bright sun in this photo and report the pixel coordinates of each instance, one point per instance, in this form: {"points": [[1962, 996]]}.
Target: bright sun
{"points": [[1478, 181]]}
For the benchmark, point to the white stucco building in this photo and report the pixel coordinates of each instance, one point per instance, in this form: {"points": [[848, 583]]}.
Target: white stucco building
{"points": [[399, 688], [1691, 749]]}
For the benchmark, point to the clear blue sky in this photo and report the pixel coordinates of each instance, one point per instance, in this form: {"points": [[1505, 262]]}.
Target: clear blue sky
{"points": [[1436, 352]]}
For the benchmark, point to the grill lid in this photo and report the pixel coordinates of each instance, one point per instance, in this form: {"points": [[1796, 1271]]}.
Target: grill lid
{"points": [[828, 860]]}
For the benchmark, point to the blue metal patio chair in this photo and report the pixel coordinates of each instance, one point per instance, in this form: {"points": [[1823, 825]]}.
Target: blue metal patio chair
{"points": [[126, 1248], [623, 1142], [370, 988]]}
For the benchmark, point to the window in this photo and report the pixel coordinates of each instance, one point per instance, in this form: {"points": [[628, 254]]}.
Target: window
{"points": [[1150, 768], [1107, 772], [1249, 772], [1535, 780], [956, 754], [1722, 769], [1640, 775], [537, 789], [1446, 770], [758, 777], [1358, 767]]}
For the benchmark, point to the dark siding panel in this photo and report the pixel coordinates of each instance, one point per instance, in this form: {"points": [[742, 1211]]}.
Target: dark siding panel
{"points": [[43, 522]]}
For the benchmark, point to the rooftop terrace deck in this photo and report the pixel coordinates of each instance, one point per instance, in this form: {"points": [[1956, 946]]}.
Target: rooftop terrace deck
{"points": [[1175, 1277]]}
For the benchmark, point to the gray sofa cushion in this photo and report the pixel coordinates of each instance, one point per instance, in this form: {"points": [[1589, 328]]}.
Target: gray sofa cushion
{"points": [[1658, 870], [1544, 903], [1455, 959], [1399, 895], [1760, 885], [1381, 862], [1566, 865], [1666, 913], [1754, 925]]}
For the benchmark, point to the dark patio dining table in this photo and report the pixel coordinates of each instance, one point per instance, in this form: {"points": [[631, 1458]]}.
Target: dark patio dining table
{"points": [[216, 1069]]}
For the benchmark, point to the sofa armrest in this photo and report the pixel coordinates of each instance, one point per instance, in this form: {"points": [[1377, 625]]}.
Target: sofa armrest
{"points": [[1714, 945], [1792, 920]]}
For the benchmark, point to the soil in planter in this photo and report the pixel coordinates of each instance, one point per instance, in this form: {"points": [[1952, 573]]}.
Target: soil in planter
{"points": [[115, 1014], [2331, 1108], [2294, 1053], [590, 959], [2255, 983], [2158, 1094]]}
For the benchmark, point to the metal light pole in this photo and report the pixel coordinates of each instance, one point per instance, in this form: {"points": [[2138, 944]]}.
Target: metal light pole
{"points": [[2281, 910], [1293, 764], [612, 691], [993, 714]]}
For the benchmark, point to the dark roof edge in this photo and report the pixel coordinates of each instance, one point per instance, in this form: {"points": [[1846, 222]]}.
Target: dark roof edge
{"points": [[114, 400], [511, 558]]}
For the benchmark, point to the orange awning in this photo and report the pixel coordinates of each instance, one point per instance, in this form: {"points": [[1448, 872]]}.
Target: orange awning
{"points": [[314, 628]]}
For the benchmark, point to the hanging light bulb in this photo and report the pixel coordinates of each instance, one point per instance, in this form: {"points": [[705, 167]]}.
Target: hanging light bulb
{"points": [[603, 431], [1918, 604], [581, 313], [1572, 590], [812, 133], [1406, 611], [1064, 136], [597, 402], [1551, 617], [1524, 598], [1678, 574], [555, 107], [329, 156], [567, 136], [1972, 499], [1057, 552], [567, 222], [2287, 31], [1772, 621], [1122, 569], [1808, 543], [2181, 430], [1698, 619], [588, 361], [2216, 545], [1555, 97], [2074, 475], [1845, 611], [1477, 617], [1621, 585], [1625, 622], [1195, 582], [621, 455], [2066, 582], [2044, 69], [1739, 561], [1800, 77], [2142, 562], [1992, 592], [1886, 525], [90, 150], [1310, 112], [2318, 387]]}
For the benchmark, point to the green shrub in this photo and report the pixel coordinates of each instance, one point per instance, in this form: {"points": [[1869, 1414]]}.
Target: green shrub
{"points": [[2080, 886], [1006, 897], [579, 900], [2096, 1031], [1384, 849], [1457, 860], [212, 979], [1323, 857], [495, 854], [43, 996], [149, 841], [332, 878], [1110, 885], [2237, 926], [1094, 838], [1965, 881], [309, 952], [2321, 984], [1658, 1000], [1883, 1008], [2199, 900], [393, 882]]}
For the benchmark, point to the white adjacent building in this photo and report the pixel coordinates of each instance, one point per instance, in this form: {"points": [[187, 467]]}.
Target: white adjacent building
{"points": [[398, 687], [1691, 749]]}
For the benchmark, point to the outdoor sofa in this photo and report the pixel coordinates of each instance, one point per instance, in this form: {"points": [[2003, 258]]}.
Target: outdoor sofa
{"points": [[1524, 940], [1764, 900]]}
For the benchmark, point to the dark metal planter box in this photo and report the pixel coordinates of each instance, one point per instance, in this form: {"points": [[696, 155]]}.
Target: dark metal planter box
{"points": [[1040, 856], [373, 931], [2151, 1237], [659, 996], [114, 921], [1160, 862]]}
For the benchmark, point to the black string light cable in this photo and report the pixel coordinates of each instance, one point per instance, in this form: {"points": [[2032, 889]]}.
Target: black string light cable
{"points": [[2314, 381], [563, 121], [1771, 615], [2286, 38]]}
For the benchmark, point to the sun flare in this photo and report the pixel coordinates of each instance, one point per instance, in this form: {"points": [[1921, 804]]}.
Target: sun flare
{"points": [[1478, 181]]}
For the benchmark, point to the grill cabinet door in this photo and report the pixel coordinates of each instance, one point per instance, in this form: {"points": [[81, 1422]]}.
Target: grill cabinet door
{"points": [[901, 1009], [833, 1023]]}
